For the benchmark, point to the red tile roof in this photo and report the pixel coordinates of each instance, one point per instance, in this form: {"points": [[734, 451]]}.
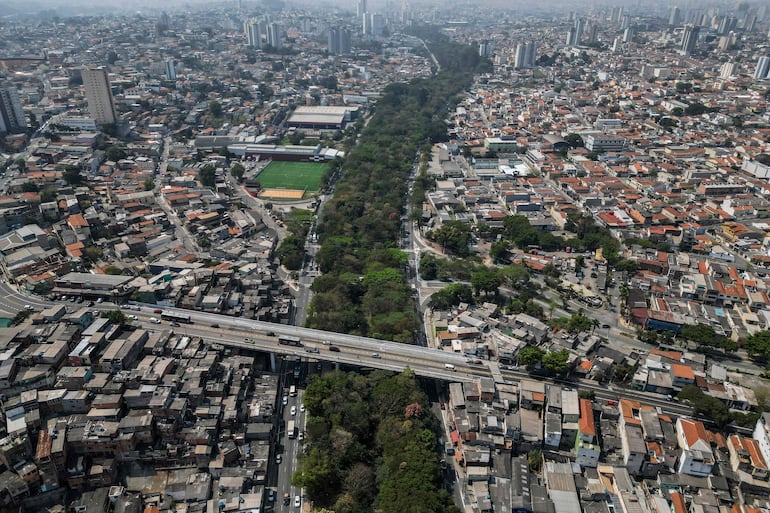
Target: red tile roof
{"points": [[587, 424]]}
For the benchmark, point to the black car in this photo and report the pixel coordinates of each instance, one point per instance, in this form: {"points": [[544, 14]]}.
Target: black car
{"points": [[215, 325], [270, 334]]}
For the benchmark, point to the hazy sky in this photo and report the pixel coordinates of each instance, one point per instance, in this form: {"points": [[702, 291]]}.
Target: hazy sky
{"points": [[9, 8]]}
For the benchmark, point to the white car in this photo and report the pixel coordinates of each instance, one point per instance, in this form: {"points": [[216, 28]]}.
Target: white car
{"points": [[154, 320], [301, 407], [296, 501], [133, 317], [28, 307], [293, 410], [285, 400]]}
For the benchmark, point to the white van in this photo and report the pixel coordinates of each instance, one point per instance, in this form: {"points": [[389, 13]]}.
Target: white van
{"points": [[449, 366]]}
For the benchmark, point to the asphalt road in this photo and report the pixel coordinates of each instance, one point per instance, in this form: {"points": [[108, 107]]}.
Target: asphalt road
{"points": [[290, 449]]}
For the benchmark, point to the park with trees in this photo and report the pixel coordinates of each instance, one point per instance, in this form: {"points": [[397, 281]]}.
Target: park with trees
{"points": [[371, 445], [363, 288]]}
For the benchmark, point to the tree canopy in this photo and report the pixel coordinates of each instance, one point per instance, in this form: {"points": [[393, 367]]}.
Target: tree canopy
{"points": [[362, 222], [368, 439], [207, 175], [758, 345]]}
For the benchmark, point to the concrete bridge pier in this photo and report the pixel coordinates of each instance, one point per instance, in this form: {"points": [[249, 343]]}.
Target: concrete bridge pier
{"points": [[273, 363]]}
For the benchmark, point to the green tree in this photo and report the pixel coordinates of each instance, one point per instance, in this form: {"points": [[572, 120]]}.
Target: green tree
{"points": [[29, 187], [499, 250], [114, 271], [237, 170], [705, 405], [574, 140], [207, 175], [535, 459], [148, 184], [625, 265], [115, 317], [451, 296], [530, 356], [20, 317], [578, 323], [315, 473], [453, 236], [695, 109], [556, 361], [486, 280], [115, 153], [93, 253], [758, 345], [215, 109], [47, 195], [72, 175], [516, 275]]}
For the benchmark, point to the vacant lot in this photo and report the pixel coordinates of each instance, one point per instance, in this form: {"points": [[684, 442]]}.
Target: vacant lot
{"points": [[303, 176]]}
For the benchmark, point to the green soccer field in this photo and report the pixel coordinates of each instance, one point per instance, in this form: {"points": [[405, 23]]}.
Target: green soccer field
{"points": [[303, 176]]}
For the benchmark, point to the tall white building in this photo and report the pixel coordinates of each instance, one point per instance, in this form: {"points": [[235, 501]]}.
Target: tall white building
{"points": [[101, 105], [675, 17], [727, 70], [253, 31], [170, 69], [11, 114], [762, 69], [525, 55], [373, 24], [274, 35], [690, 39], [339, 41]]}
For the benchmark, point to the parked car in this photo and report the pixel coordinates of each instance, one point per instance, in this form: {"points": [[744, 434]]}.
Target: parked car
{"points": [[297, 501]]}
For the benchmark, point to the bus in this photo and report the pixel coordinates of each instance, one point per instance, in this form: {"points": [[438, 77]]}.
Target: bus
{"points": [[291, 430], [287, 340], [175, 317]]}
